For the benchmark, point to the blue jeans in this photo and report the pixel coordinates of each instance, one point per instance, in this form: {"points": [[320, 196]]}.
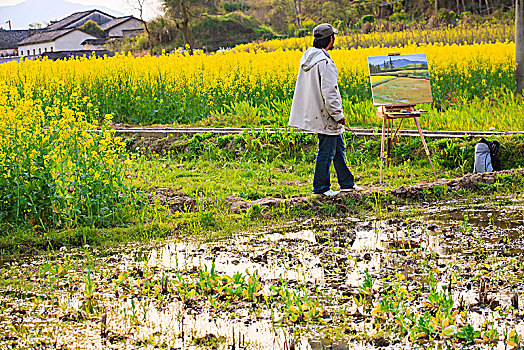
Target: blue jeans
{"points": [[331, 148]]}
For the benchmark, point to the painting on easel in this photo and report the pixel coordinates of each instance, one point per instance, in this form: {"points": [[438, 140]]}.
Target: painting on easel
{"points": [[399, 79]]}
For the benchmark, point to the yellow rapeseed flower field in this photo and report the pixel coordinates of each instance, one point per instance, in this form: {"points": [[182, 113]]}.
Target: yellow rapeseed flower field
{"points": [[460, 34], [178, 88], [56, 168]]}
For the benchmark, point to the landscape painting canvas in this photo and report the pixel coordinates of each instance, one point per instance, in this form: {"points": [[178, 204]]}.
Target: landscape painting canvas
{"points": [[399, 79]]}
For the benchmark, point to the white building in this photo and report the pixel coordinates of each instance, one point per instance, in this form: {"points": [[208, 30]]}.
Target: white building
{"points": [[121, 27], [64, 35], [56, 40]]}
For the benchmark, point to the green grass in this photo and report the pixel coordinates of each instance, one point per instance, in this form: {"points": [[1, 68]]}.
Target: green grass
{"points": [[214, 169], [243, 179]]}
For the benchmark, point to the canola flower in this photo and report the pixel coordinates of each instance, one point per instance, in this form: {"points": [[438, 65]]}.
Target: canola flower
{"points": [[460, 35], [55, 170]]}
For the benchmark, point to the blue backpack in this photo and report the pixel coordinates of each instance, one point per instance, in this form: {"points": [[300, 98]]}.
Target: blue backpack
{"points": [[486, 156]]}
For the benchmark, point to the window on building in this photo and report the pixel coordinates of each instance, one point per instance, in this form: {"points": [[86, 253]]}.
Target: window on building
{"points": [[45, 49], [51, 49], [34, 52], [39, 50]]}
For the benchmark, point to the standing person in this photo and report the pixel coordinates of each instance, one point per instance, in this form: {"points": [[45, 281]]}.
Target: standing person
{"points": [[317, 107]]}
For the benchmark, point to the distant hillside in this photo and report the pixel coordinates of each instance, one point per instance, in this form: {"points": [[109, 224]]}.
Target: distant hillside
{"points": [[31, 11], [229, 30]]}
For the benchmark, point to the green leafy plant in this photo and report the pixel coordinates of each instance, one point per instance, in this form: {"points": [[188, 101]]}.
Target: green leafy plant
{"points": [[468, 334]]}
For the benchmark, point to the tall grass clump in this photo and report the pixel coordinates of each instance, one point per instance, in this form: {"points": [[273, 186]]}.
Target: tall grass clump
{"points": [[56, 169]]}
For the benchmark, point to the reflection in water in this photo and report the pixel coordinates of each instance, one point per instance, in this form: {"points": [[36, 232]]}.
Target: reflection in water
{"points": [[483, 215], [267, 255], [436, 244], [245, 329]]}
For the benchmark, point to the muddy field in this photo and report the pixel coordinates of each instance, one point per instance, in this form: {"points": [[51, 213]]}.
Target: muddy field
{"points": [[449, 274]]}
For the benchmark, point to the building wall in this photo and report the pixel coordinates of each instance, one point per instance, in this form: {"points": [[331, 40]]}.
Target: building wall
{"points": [[8, 52], [36, 49], [131, 24], [97, 17], [72, 41]]}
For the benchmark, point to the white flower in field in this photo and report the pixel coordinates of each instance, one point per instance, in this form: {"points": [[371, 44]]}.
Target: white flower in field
{"points": [[63, 249], [491, 128], [87, 246]]}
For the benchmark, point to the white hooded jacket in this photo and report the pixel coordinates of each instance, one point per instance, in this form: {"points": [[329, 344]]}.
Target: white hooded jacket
{"points": [[317, 104]]}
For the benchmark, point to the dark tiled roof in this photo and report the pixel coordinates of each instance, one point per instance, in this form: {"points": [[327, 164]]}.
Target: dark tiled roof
{"points": [[46, 36], [9, 39], [117, 21], [68, 20]]}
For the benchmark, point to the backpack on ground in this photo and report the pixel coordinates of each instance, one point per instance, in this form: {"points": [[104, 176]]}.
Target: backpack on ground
{"points": [[486, 156]]}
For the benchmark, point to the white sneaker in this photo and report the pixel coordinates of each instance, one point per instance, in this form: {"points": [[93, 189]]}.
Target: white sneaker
{"points": [[328, 193], [355, 188]]}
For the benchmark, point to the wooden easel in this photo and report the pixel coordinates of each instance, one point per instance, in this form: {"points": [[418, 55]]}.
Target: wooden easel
{"points": [[388, 115]]}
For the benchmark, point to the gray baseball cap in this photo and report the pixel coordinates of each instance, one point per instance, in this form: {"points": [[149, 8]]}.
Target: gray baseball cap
{"points": [[323, 31]]}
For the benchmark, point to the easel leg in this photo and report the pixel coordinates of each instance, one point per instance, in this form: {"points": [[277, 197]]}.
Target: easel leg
{"points": [[425, 146], [390, 141], [382, 145]]}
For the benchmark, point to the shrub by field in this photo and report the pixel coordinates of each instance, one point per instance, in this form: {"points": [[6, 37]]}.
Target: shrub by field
{"points": [[56, 170]]}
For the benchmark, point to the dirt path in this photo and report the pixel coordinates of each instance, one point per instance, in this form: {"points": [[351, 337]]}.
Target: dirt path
{"points": [[181, 202]]}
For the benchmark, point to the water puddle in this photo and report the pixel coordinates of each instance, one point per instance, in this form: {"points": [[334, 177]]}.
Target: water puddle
{"points": [[272, 257]]}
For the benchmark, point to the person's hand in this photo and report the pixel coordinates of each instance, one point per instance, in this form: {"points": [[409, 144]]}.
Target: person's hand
{"points": [[342, 121]]}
